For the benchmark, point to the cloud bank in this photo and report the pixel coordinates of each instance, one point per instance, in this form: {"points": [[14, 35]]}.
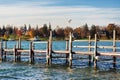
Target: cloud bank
{"points": [[40, 12]]}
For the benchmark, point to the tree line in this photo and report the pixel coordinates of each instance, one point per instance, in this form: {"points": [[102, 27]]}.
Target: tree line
{"points": [[82, 32]]}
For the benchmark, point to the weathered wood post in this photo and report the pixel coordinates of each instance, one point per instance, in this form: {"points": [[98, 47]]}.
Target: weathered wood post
{"points": [[5, 47], [1, 50], [50, 48], [95, 52], [67, 48], [47, 53], [31, 54], [15, 53], [33, 46], [89, 50], [114, 48], [70, 50], [19, 43], [19, 47]]}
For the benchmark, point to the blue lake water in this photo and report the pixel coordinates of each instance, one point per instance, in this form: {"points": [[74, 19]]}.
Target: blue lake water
{"points": [[59, 70]]}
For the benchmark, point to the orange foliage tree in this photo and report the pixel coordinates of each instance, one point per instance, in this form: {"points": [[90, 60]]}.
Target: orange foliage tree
{"points": [[78, 31], [67, 30], [32, 33]]}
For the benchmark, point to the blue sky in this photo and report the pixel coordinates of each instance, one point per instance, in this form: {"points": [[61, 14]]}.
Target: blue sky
{"points": [[58, 12]]}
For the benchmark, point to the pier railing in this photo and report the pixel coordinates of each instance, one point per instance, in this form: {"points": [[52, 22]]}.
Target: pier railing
{"points": [[93, 55]]}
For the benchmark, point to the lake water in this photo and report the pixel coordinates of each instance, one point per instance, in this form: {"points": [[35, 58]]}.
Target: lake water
{"points": [[59, 70]]}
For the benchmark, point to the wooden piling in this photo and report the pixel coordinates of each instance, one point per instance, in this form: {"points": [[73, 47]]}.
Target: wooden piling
{"points": [[15, 53], [1, 50], [114, 49], [47, 53], [50, 49], [89, 50], [19, 48], [19, 43], [70, 50], [95, 52], [67, 55], [5, 47], [31, 54]]}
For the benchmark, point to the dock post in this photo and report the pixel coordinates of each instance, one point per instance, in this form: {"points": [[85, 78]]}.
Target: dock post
{"points": [[5, 47], [47, 53], [1, 51], [19, 47], [67, 55], [15, 53], [31, 54], [50, 48], [89, 51], [70, 50], [95, 52], [114, 48]]}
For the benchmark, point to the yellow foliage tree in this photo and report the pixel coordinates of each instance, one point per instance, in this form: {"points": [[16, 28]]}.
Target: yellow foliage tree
{"points": [[31, 33], [5, 37]]}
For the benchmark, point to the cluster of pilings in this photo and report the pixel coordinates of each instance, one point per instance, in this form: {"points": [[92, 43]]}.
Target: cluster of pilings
{"points": [[17, 51]]}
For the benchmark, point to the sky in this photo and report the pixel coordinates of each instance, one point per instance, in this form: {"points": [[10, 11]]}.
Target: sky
{"points": [[59, 12]]}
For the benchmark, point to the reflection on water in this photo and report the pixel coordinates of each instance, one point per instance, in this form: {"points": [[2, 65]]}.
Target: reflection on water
{"points": [[59, 70], [25, 71]]}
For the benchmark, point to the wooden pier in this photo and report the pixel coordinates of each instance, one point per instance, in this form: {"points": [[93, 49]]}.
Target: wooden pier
{"points": [[93, 55]]}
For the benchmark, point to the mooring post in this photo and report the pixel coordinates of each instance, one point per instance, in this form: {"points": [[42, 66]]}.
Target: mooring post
{"points": [[89, 50], [1, 50], [19, 43], [47, 53], [5, 47], [67, 48], [70, 50], [15, 53], [95, 52], [114, 48], [31, 54], [50, 48], [19, 47]]}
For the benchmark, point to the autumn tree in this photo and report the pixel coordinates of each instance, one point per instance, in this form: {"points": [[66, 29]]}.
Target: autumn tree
{"points": [[77, 32], [85, 31], [6, 36], [19, 33], [118, 31], [67, 30], [59, 32], [110, 29], [32, 33], [15, 29]]}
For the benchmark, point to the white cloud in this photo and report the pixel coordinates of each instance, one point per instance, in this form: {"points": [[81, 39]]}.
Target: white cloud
{"points": [[57, 15]]}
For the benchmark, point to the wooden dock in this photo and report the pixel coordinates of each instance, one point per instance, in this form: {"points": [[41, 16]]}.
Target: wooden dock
{"points": [[93, 56]]}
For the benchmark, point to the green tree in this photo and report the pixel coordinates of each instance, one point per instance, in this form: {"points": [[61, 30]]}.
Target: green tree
{"points": [[3, 30], [29, 28], [45, 30], [92, 31]]}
